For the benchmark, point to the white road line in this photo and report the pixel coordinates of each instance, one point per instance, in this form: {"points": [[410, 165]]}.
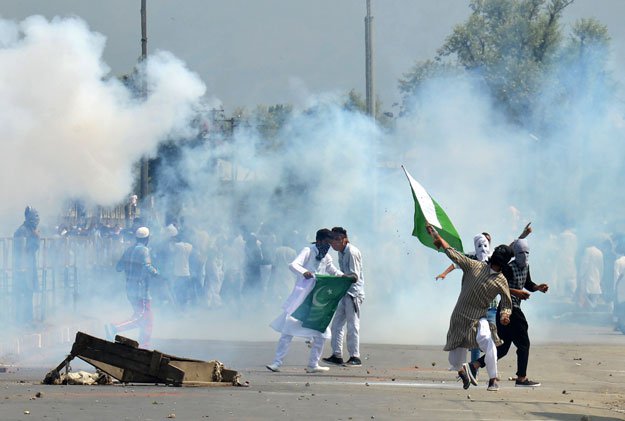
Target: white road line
{"points": [[396, 384]]}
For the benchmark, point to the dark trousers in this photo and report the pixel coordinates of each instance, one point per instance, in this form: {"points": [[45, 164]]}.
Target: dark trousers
{"points": [[514, 333]]}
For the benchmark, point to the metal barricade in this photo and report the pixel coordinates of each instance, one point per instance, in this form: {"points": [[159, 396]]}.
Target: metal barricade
{"points": [[66, 267]]}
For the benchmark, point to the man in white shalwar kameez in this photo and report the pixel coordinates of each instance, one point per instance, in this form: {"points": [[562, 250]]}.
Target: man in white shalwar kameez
{"points": [[589, 280], [310, 261]]}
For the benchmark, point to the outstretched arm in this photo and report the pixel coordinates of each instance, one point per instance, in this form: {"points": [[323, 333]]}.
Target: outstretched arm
{"points": [[446, 272], [526, 231]]}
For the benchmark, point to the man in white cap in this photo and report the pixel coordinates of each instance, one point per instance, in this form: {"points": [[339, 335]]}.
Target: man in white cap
{"points": [[137, 264]]}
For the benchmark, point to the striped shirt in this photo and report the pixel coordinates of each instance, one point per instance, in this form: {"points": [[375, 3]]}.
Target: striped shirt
{"points": [[479, 287]]}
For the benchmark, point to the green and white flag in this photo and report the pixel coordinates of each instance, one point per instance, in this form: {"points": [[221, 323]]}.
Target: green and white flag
{"points": [[319, 306], [427, 210]]}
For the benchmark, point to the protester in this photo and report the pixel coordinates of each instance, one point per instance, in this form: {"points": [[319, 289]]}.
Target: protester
{"points": [[517, 274], [468, 327], [589, 278], [25, 276], [481, 254], [180, 252], [252, 286], [348, 310], [137, 265], [619, 291], [309, 262]]}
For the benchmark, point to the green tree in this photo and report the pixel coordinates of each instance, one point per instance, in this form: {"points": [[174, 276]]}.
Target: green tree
{"points": [[509, 44], [269, 121], [354, 102], [580, 73]]}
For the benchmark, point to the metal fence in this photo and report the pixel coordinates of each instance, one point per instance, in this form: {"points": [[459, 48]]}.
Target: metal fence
{"points": [[67, 268]]}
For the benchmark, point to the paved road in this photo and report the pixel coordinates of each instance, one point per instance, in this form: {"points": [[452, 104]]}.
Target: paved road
{"points": [[581, 381]]}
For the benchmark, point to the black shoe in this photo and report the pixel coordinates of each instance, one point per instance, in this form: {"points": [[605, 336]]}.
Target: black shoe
{"points": [[353, 362], [493, 386], [526, 383], [333, 359], [465, 379], [471, 372]]}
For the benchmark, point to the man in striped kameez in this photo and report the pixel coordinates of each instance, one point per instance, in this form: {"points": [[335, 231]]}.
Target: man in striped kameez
{"points": [[468, 327]]}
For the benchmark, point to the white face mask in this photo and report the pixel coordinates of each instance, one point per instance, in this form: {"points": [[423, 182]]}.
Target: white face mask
{"points": [[482, 247]]}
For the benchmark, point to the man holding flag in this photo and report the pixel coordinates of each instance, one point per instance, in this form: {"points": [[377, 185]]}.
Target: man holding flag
{"points": [[308, 310], [468, 326], [346, 321], [481, 283]]}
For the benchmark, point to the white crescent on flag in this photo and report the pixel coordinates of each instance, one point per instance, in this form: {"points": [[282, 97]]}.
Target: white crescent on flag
{"points": [[425, 201]]}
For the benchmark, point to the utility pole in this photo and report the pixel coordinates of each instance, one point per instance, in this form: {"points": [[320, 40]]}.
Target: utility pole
{"points": [[144, 187], [370, 90]]}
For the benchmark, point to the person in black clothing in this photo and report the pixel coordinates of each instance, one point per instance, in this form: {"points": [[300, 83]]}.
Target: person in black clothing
{"points": [[519, 280]]}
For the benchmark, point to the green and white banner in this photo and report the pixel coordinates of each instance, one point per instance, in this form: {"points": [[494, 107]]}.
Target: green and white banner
{"points": [[319, 306], [427, 210]]}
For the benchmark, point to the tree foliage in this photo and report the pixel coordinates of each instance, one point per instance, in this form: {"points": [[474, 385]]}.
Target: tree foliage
{"points": [[511, 45]]}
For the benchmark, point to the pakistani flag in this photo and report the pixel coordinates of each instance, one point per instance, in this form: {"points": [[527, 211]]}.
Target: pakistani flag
{"points": [[319, 306], [427, 210]]}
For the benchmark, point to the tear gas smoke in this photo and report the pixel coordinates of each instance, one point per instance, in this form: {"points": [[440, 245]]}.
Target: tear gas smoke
{"points": [[70, 128], [73, 131]]}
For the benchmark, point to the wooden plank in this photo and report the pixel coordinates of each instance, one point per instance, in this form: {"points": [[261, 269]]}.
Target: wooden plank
{"points": [[198, 371], [155, 363]]}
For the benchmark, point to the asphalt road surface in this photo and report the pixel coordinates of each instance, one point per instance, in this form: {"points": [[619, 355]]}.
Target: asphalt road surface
{"points": [[580, 381]]}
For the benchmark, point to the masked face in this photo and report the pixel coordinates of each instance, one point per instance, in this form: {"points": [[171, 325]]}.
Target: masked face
{"points": [[482, 248], [323, 248], [521, 252], [32, 219]]}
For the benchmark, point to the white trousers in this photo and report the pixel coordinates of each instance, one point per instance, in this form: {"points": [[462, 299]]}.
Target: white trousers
{"points": [[458, 356], [315, 351], [346, 315]]}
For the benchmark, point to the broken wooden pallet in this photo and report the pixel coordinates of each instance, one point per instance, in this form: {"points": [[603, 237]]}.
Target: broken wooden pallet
{"points": [[126, 362]]}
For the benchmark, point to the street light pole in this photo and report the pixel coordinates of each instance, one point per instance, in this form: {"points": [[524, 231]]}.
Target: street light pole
{"points": [[144, 185], [370, 90]]}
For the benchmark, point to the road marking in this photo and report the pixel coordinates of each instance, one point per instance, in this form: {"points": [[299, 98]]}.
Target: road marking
{"points": [[391, 384]]}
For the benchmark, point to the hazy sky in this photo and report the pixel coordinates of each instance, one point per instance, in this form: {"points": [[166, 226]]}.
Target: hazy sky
{"points": [[250, 52]]}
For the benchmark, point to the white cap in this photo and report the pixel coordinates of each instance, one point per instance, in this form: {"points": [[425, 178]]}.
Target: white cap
{"points": [[171, 230], [142, 232]]}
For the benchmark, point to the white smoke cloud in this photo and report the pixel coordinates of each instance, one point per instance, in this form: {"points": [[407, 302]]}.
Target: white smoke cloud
{"points": [[73, 130], [70, 128]]}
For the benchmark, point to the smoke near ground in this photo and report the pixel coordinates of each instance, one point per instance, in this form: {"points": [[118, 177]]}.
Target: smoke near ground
{"points": [[73, 130]]}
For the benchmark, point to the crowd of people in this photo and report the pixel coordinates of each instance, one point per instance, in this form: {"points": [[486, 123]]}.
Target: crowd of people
{"points": [[178, 267]]}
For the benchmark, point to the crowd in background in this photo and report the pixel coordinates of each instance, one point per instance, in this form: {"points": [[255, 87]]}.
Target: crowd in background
{"points": [[224, 266]]}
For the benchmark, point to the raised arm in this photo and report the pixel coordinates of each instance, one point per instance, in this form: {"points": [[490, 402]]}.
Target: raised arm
{"points": [[446, 272], [526, 231], [439, 242]]}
